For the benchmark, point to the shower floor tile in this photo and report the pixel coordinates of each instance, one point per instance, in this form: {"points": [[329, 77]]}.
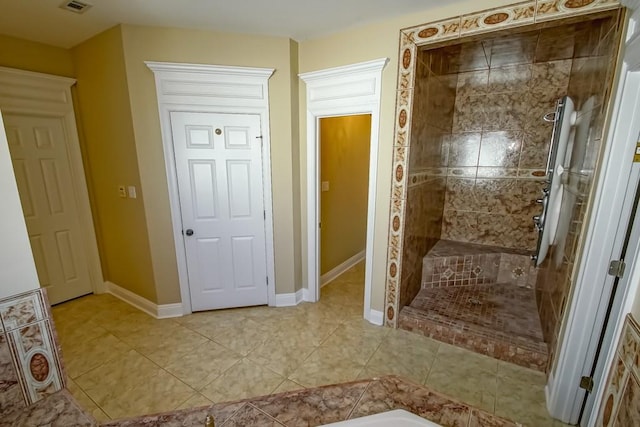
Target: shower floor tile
{"points": [[499, 320]]}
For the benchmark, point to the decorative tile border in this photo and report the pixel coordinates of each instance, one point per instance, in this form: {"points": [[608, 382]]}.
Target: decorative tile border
{"points": [[512, 16], [411, 39], [618, 407], [33, 354]]}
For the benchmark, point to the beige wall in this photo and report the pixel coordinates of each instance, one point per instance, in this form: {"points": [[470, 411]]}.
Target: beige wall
{"points": [[38, 57], [363, 44], [344, 163], [206, 47], [17, 268], [110, 156]]}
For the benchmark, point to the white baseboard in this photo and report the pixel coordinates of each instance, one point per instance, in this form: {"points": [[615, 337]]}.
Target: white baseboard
{"points": [[331, 275], [162, 311], [376, 317], [289, 300]]}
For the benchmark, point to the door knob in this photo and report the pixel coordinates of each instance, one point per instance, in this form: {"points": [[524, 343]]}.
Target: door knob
{"points": [[188, 232]]}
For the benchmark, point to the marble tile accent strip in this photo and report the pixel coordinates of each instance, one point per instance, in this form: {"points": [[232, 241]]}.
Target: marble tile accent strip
{"points": [[326, 404], [620, 405]]}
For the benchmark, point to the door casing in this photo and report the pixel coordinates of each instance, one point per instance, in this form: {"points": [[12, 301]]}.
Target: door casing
{"points": [[53, 98], [202, 88]]}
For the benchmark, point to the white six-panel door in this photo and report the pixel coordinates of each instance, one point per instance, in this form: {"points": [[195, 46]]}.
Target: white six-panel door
{"points": [[41, 165], [220, 183]]}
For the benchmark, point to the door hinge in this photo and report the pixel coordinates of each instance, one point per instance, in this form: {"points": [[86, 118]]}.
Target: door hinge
{"points": [[260, 138], [586, 383], [616, 268], [319, 225], [267, 280], [264, 214]]}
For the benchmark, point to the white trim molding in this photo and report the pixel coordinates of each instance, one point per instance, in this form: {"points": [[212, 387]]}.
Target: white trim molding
{"points": [[163, 311], [341, 91], [289, 300], [214, 89], [335, 272], [376, 317], [29, 93]]}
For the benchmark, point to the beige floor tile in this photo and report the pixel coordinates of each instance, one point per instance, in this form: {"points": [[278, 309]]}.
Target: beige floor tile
{"points": [[244, 379], [521, 374], [198, 359], [85, 402], [195, 401], [477, 388], [160, 392], [203, 365], [83, 356], [120, 374], [282, 356], [413, 364], [151, 339], [324, 367], [288, 385], [355, 346], [459, 359]]}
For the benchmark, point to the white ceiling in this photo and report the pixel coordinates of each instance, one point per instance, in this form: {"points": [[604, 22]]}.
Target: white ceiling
{"points": [[43, 21]]}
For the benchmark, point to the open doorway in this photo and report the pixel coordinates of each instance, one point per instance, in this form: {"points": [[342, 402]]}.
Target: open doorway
{"points": [[344, 180]]}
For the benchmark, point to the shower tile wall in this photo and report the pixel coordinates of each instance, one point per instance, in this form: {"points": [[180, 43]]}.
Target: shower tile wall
{"points": [[431, 127], [499, 142], [589, 86]]}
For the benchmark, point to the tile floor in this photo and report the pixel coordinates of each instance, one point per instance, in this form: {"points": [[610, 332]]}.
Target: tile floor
{"points": [[122, 362]]}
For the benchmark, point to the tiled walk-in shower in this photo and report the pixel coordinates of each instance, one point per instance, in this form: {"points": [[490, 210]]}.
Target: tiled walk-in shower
{"points": [[477, 157]]}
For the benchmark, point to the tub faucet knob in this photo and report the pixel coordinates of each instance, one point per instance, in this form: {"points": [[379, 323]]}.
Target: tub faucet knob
{"points": [[208, 421]]}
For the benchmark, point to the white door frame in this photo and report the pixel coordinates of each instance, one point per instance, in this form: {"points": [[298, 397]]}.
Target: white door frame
{"points": [[341, 91], [611, 209], [202, 88], [29, 93]]}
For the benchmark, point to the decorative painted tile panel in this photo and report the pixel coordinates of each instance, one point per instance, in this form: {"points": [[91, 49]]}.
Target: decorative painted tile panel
{"points": [[30, 366], [620, 406]]}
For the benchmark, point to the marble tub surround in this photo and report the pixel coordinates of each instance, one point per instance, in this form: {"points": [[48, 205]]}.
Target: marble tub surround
{"points": [[30, 365], [620, 405], [123, 363], [59, 409], [329, 404]]}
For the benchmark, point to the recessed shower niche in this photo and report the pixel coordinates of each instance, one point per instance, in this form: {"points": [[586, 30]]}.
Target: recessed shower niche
{"points": [[476, 170]]}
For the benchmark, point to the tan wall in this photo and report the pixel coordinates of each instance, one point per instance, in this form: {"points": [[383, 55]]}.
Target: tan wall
{"points": [[206, 47], [32, 56], [107, 136], [344, 163], [362, 44]]}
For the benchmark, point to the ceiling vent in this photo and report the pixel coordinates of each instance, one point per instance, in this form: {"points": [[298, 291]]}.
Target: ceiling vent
{"points": [[75, 6]]}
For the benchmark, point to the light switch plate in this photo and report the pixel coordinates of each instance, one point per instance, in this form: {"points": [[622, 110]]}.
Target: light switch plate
{"points": [[122, 191], [132, 191], [325, 185]]}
